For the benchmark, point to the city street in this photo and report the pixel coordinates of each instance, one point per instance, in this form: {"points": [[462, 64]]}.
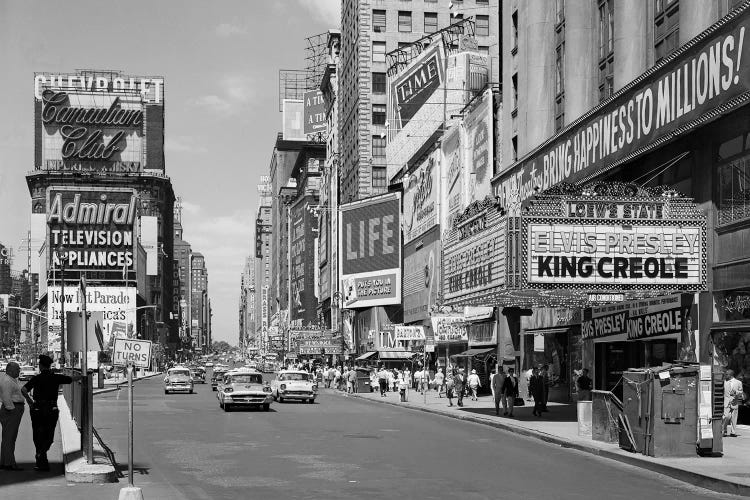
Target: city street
{"points": [[339, 448]]}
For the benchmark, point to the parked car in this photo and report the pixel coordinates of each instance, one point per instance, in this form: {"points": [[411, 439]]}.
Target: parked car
{"points": [[293, 384], [178, 379], [199, 375], [27, 371], [243, 388]]}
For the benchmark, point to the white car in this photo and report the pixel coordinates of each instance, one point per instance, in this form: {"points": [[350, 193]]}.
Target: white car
{"points": [[293, 384], [243, 388], [178, 379], [27, 371]]}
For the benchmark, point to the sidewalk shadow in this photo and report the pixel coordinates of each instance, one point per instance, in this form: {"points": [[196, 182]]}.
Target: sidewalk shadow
{"points": [[29, 475], [557, 413]]}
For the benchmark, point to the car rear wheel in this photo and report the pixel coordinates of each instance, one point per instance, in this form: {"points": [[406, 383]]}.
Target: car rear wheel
{"points": [[191, 391], [311, 400], [266, 407]]}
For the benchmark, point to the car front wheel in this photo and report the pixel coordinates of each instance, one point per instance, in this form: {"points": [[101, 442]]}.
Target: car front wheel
{"points": [[266, 407], [227, 407]]}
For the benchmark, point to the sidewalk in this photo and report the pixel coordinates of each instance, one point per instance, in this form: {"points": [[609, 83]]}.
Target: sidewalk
{"points": [[727, 474]]}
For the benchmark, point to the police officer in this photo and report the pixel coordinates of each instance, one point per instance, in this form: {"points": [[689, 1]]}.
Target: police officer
{"points": [[43, 401]]}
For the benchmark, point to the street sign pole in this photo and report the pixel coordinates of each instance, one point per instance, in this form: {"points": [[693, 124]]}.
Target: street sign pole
{"points": [[87, 399], [130, 425]]}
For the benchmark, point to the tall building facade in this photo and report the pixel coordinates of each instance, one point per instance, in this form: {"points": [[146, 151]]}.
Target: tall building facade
{"points": [[114, 161], [263, 276], [636, 92], [181, 280], [246, 336], [370, 30], [199, 304]]}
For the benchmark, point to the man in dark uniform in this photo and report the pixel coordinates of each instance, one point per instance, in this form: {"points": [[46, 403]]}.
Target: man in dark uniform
{"points": [[43, 402]]}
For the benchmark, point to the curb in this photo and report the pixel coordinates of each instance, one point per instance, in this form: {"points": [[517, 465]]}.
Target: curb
{"points": [[77, 470], [696, 479]]}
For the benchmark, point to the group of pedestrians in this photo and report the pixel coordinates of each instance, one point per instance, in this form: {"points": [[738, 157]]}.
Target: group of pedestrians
{"points": [[504, 390], [41, 395]]}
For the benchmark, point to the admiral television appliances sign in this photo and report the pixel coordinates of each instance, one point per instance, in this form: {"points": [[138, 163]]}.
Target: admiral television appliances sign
{"points": [[370, 251], [615, 244], [94, 225]]}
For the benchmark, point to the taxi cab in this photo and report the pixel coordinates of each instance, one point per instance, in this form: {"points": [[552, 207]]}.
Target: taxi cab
{"points": [[217, 374], [243, 387], [178, 379], [293, 384]]}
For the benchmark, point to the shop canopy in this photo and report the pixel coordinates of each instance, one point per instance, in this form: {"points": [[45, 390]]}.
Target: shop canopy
{"points": [[366, 355], [389, 355], [474, 352]]}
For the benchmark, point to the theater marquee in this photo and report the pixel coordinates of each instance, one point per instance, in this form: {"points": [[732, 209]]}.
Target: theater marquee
{"points": [[605, 243]]}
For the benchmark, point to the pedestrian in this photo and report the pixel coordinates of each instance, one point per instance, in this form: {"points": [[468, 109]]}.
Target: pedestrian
{"points": [[584, 386], [393, 380], [403, 388], [459, 382], [44, 413], [330, 373], [439, 382], [11, 414], [545, 384], [510, 392], [474, 384], [337, 378], [496, 385], [536, 388], [733, 397], [383, 381], [449, 386], [408, 376], [351, 384]]}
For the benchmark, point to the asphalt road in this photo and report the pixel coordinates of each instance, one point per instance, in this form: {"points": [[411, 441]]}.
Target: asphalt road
{"points": [[343, 448]]}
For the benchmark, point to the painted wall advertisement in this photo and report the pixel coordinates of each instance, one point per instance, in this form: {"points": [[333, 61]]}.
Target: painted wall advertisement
{"points": [[449, 329], [420, 198], [117, 304], [478, 130], [452, 176], [658, 317], [302, 273], [97, 121], [421, 275], [609, 244], [94, 225], [474, 259], [702, 77], [370, 251], [314, 112]]}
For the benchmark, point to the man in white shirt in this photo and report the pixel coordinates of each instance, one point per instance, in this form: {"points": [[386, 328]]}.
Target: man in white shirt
{"points": [[732, 398], [10, 414]]}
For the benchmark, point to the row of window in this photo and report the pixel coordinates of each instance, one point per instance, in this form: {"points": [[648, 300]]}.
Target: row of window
{"points": [[379, 51], [379, 23]]}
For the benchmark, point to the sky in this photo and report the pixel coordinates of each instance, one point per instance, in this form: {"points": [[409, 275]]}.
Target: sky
{"points": [[220, 61]]}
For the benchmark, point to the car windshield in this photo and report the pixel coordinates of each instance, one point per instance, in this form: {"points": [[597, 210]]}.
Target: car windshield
{"points": [[294, 376], [247, 379], [179, 372]]}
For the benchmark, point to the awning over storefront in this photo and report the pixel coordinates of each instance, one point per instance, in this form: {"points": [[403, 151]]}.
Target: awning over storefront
{"points": [[544, 331], [366, 355], [473, 352], [387, 355]]}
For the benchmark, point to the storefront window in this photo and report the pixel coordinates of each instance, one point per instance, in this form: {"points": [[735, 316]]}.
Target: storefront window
{"points": [[734, 190]]}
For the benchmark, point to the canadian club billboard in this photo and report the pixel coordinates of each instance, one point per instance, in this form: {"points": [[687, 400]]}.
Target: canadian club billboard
{"points": [[99, 121], [94, 226], [614, 238], [370, 251]]}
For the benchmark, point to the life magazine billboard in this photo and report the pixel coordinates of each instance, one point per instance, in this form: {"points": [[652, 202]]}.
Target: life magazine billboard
{"points": [[370, 251]]}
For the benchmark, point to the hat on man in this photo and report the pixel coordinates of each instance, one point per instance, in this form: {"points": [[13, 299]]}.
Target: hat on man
{"points": [[473, 372], [45, 360]]}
